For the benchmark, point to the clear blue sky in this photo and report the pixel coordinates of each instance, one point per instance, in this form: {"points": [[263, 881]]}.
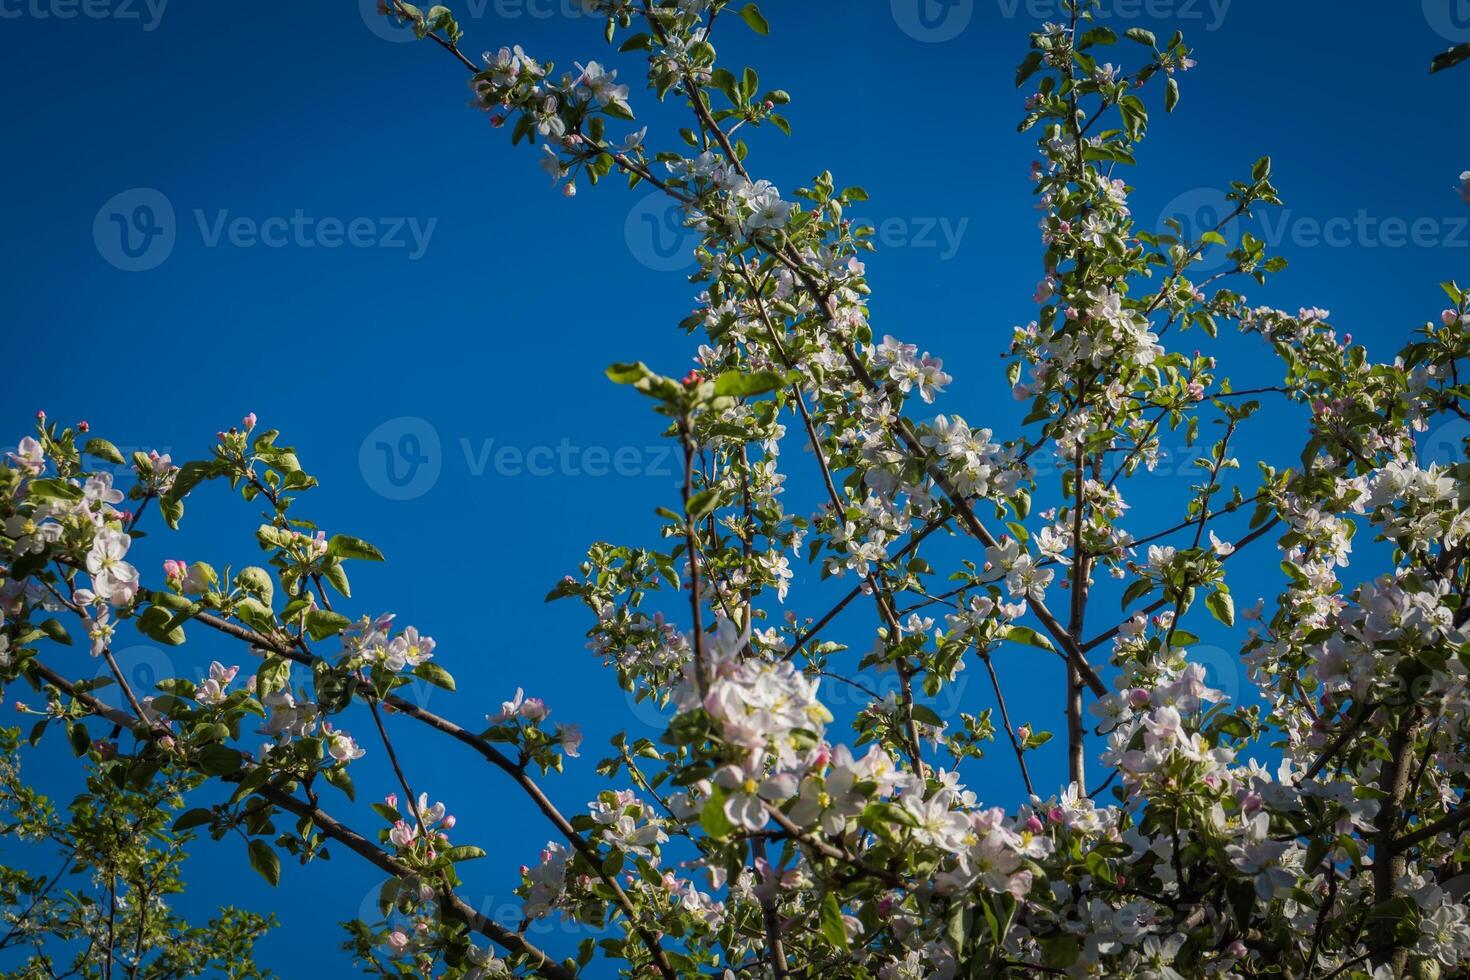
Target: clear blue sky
{"points": [[483, 304]]}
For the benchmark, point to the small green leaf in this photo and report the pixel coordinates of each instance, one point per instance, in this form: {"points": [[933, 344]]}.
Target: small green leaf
{"points": [[1221, 606], [196, 817], [1028, 636], [435, 675], [273, 675], [264, 860], [346, 546], [323, 623], [464, 852], [754, 19], [256, 581], [218, 760], [703, 504], [712, 818], [741, 385], [626, 374], [103, 449], [832, 925], [56, 631]]}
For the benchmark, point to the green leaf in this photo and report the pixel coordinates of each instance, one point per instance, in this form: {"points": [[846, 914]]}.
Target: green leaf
{"points": [[103, 449], [1171, 94], [1028, 636], [1221, 606], [832, 927], [703, 504], [464, 852], [264, 860], [338, 777], [81, 739], [256, 581], [712, 818], [53, 489], [56, 631], [274, 674], [346, 546], [627, 374], [754, 19], [741, 385], [337, 576], [1028, 67], [1137, 590], [323, 623], [435, 675], [196, 817], [218, 760], [252, 613]]}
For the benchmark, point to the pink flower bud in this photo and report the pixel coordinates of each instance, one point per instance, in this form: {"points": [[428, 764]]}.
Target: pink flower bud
{"points": [[249, 421], [82, 426]]}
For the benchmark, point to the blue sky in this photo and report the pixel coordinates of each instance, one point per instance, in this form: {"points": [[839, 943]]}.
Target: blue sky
{"points": [[352, 254]]}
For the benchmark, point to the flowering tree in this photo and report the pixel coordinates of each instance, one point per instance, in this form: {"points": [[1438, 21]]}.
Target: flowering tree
{"points": [[1312, 831]]}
